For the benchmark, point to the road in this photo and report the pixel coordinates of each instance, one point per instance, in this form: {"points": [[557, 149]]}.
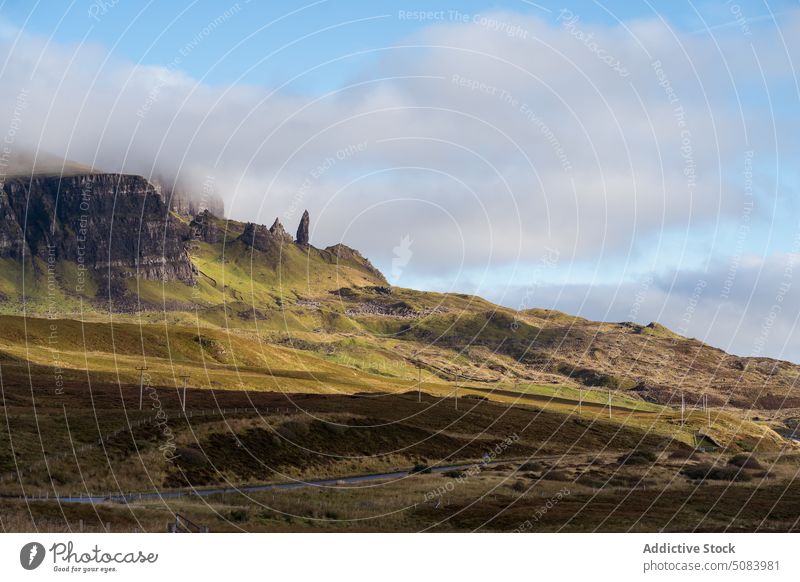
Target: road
{"points": [[338, 481]]}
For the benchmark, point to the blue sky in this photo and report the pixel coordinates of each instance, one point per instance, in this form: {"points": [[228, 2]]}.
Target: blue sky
{"points": [[154, 32], [496, 134]]}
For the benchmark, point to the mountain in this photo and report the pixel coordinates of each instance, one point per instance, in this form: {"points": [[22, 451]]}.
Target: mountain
{"points": [[92, 247], [118, 239]]}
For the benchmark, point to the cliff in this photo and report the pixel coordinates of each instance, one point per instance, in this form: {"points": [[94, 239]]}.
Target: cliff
{"points": [[112, 225]]}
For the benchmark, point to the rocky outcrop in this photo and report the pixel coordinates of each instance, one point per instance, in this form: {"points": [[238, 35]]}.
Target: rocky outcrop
{"points": [[206, 228], [302, 229], [114, 225], [266, 239], [259, 237], [279, 233], [396, 311], [342, 254]]}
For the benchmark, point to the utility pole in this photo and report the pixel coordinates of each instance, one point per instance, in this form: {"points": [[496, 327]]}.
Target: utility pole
{"points": [[708, 410], [184, 377], [141, 384], [580, 400], [419, 382], [683, 409], [609, 404], [456, 397]]}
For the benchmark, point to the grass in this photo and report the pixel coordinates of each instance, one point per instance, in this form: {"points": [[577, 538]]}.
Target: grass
{"points": [[579, 493], [332, 436], [588, 395], [217, 359], [335, 436], [639, 457]]}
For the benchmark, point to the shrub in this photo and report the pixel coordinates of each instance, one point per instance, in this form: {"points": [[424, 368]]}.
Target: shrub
{"points": [[705, 471], [519, 486], [293, 429], [239, 515], [421, 468], [191, 457], [58, 477], [337, 429], [745, 461], [454, 474], [556, 475], [684, 454], [638, 457]]}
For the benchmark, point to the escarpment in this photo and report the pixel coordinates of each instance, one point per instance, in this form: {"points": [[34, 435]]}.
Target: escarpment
{"points": [[116, 226]]}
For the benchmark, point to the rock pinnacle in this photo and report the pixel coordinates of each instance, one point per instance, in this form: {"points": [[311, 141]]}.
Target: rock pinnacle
{"points": [[302, 230]]}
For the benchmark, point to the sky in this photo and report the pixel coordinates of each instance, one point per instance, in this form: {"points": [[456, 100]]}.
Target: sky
{"points": [[623, 161]]}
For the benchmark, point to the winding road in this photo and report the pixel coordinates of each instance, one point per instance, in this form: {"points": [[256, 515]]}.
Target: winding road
{"points": [[336, 481]]}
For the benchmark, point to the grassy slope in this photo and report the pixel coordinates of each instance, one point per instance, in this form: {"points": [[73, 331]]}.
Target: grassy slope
{"points": [[277, 321], [226, 359]]}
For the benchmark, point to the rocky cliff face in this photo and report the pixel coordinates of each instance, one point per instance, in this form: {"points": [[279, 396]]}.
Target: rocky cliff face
{"points": [[259, 237], [115, 225], [205, 228]]}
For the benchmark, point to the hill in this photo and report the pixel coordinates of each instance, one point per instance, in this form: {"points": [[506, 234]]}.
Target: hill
{"points": [[100, 247], [146, 347]]}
